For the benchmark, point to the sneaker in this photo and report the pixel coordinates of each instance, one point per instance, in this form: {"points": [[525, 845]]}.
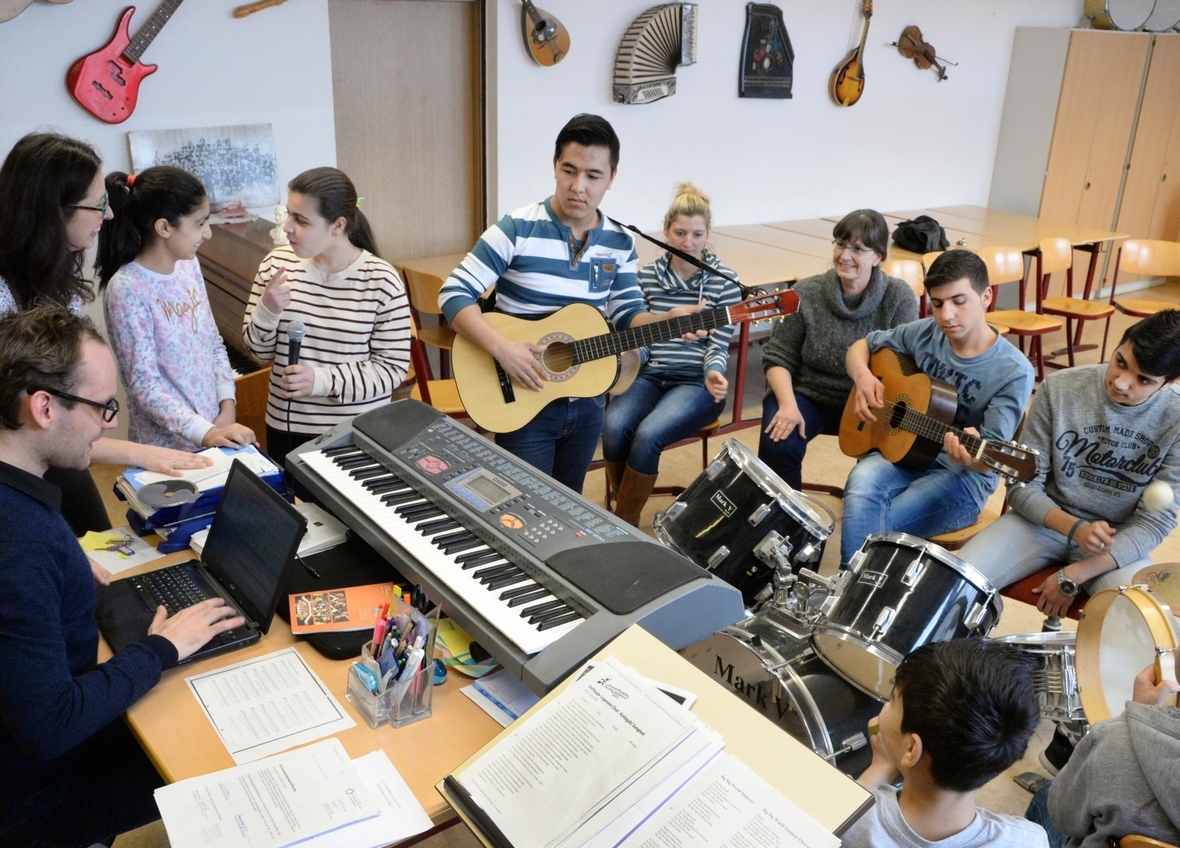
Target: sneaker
{"points": [[1057, 753]]}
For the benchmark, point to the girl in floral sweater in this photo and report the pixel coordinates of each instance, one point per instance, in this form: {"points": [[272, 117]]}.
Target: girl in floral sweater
{"points": [[172, 361]]}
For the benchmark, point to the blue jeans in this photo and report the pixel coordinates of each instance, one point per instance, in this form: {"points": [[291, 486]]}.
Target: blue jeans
{"points": [[561, 440], [1038, 813], [785, 458], [881, 497], [656, 411]]}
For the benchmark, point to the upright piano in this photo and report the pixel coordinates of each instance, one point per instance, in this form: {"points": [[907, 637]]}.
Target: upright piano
{"points": [[539, 576]]}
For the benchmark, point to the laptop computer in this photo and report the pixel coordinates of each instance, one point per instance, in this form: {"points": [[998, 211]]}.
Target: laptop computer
{"points": [[251, 547]]}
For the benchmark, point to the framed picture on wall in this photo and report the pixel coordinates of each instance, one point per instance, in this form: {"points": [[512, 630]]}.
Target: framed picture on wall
{"points": [[236, 164]]}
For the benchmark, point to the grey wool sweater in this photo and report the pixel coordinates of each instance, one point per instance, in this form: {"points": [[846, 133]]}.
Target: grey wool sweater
{"points": [[812, 342]]}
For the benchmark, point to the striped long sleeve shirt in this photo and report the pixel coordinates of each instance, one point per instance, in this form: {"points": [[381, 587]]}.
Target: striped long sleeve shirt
{"points": [[358, 337], [537, 268], [663, 290]]}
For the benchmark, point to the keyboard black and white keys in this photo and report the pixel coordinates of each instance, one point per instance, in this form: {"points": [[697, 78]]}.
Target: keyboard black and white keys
{"points": [[536, 574]]}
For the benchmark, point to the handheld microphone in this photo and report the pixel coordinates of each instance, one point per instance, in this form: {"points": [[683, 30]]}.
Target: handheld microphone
{"points": [[295, 333]]}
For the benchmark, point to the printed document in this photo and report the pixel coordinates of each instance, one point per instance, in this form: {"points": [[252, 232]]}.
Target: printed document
{"points": [[268, 704], [281, 800], [728, 806]]}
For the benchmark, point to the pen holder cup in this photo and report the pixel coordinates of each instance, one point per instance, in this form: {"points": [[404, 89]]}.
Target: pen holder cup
{"points": [[404, 700]]}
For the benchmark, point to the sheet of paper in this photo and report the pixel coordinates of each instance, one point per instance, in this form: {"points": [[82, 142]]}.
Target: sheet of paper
{"points": [[401, 814], [575, 754], [118, 550], [268, 704], [212, 476], [273, 803], [501, 696], [728, 806], [681, 696]]}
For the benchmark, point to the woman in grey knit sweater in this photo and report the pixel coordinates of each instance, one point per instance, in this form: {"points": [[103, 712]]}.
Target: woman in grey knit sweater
{"points": [[807, 385]]}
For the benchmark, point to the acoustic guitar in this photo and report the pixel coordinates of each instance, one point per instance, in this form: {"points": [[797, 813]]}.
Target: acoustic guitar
{"points": [[544, 36], [9, 9], [582, 358], [918, 413], [848, 79], [106, 83]]}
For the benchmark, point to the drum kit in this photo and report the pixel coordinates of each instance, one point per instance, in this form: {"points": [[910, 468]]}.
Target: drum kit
{"points": [[817, 655], [1131, 15]]}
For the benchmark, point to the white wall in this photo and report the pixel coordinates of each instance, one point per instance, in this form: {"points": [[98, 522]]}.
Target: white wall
{"points": [[910, 142], [272, 67]]}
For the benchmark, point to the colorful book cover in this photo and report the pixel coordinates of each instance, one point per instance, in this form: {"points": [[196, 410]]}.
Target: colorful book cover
{"points": [[339, 610]]}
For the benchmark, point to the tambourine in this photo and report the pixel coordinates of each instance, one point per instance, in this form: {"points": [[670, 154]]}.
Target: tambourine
{"points": [[1121, 632]]}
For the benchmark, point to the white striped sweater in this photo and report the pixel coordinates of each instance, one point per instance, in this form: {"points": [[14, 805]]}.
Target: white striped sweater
{"points": [[358, 337]]}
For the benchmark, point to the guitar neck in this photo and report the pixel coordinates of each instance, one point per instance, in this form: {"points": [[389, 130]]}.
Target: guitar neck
{"points": [[860, 51], [148, 32], [612, 344], [923, 425]]}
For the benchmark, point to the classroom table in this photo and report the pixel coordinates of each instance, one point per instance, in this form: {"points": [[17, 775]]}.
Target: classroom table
{"points": [[181, 742]]}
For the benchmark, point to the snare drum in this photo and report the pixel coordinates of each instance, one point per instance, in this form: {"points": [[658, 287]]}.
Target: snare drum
{"points": [[766, 661], [900, 593], [1119, 14], [739, 520], [1055, 679], [1122, 631]]}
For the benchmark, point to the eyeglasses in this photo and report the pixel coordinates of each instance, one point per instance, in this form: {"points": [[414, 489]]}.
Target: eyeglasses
{"points": [[109, 409], [858, 250], [106, 204]]}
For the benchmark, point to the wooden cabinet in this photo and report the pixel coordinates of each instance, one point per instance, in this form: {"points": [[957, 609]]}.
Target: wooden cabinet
{"points": [[1090, 127]]}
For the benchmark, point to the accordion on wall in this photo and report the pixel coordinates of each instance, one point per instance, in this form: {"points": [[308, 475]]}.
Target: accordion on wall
{"points": [[656, 42]]}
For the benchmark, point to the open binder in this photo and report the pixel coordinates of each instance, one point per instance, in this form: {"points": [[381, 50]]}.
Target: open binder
{"points": [[830, 797]]}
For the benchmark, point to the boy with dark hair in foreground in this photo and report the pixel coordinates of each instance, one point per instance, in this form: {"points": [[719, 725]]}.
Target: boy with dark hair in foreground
{"points": [[962, 711]]}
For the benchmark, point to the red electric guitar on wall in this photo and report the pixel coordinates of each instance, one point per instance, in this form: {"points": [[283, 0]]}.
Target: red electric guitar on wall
{"points": [[106, 82]]}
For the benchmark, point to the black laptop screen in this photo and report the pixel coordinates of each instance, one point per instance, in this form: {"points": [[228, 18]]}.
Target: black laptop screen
{"points": [[253, 538]]}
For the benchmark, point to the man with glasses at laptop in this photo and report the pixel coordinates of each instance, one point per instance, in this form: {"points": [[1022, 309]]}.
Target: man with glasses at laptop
{"points": [[71, 773]]}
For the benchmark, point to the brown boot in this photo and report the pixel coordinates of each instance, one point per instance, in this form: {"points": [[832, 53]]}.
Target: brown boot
{"points": [[614, 477], [634, 491]]}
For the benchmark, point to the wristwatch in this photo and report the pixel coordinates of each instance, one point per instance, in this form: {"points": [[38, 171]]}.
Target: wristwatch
{"points": [[1065, 585]]}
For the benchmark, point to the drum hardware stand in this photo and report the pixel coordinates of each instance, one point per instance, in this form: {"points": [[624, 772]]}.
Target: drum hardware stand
{"points": [[834, 585], [1052, 624]]}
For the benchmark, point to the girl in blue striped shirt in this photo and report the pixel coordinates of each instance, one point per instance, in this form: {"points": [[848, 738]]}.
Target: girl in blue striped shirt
{"points": [[681, 387]]}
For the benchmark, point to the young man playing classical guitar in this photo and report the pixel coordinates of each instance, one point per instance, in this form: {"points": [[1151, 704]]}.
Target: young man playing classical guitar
{"points": [[543, 257], [993, 381]]}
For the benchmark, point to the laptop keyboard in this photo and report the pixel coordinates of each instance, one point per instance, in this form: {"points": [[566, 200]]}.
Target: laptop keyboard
{"points": [[175, 589]]}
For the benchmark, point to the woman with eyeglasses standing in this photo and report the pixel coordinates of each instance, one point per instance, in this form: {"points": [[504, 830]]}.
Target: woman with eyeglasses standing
{"points": [[807, 385], [52, 205]]}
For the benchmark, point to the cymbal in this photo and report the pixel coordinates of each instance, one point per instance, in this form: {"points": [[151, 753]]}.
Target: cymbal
{"points": [[1163, 579]]}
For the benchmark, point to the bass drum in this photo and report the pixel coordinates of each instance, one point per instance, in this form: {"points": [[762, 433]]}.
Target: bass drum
{"points": [[899, 593], [766, 661], [1165, 16], [1123, 15], [738, 519]]}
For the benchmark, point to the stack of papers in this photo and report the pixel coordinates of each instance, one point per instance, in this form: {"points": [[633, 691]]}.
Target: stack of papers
{"points": [[612, 761], [315, 796]]}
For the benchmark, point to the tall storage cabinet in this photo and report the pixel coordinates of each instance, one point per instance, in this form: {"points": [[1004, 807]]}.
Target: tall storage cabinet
{"points": [[1091, 124]]}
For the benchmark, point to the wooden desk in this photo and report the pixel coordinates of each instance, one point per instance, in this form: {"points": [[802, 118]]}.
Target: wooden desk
{"points": [[817, 787], [437, 266], [756, 264], [785, 239], [182, 743]]}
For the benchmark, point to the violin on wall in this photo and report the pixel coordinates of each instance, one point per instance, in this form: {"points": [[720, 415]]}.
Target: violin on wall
{"points": [[911, 45], [848, 79]]}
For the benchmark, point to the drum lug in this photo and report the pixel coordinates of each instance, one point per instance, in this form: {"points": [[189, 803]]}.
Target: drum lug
{"points": [[857, 559], [675, 510], [718, 557], [976, 616], [882, 622], [914, 573], [757, 515], [852, 743], [808, 553], [716, 467]]}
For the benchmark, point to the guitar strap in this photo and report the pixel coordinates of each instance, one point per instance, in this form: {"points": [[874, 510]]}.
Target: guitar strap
{"points": [[747, 291]]}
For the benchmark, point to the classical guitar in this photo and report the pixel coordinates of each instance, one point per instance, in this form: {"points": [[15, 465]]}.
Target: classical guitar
{"points": [[106, 82], [544, 36], [848, 79], [918, 413], [582, 358], [9, 9]]}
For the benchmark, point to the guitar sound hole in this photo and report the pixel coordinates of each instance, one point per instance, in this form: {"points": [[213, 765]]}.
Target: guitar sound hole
{"points": [[895, 418], [558, 358]]}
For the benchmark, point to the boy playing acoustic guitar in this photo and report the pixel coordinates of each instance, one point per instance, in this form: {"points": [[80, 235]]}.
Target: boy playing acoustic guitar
{"points": [[993, 381]]}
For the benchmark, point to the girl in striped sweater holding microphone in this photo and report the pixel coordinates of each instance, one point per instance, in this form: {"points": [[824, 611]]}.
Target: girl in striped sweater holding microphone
{"points": [[682, 386]]}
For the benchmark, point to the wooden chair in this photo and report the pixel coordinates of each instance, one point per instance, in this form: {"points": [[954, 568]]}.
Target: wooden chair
{"points": [[1148, 257], [913, 273], [251, 392], [1022, 590], [422, 289], [1056, 254], [1006, 265], [443, 395], [1135, 841], [703, 435], [956, 539]]}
